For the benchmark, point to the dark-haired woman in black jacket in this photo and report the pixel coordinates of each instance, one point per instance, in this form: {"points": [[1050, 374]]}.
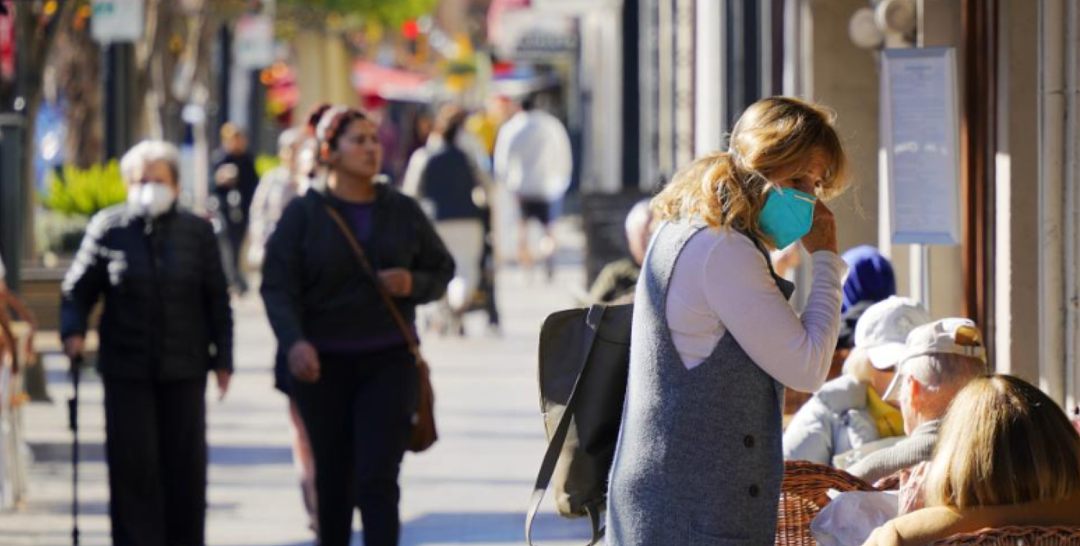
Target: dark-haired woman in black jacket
{"points": [[352, 374]]}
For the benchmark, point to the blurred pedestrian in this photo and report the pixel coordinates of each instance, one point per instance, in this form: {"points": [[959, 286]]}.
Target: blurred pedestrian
{"points": [[463, 141], [715, 340], [5, 322], [353, 376], [455, 188], [8, 337], [423, 124], [617, 281], [308, 154], [533, 159], [485, 124], [233, 180], [305, 171], [382, 113], [277, 188], [166, 323]]}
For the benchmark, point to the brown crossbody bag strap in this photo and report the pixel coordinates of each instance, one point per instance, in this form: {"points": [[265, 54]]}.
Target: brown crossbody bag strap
{"points": [[370, 271], [424, 432]]}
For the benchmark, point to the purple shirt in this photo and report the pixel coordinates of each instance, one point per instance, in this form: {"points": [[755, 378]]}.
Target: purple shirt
{"points": [[362, 217]]}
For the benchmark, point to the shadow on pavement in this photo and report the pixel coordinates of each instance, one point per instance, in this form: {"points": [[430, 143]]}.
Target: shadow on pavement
{"points": [[94, 452], [101, 508], [61, 377], [480, 528], [98, 508], [250, 455], [60, 452], [489, 527], [56, 536]]}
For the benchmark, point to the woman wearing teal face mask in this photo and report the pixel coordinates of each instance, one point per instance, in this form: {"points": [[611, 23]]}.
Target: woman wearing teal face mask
{"points": [[715, 342]]}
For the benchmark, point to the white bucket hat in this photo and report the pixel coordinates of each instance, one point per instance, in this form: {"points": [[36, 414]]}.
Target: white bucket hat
{"points": [[884, 327]]}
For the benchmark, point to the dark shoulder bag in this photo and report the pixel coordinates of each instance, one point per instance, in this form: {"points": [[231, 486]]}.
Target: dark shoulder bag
{"points": [[423, 432], [584, 362]]}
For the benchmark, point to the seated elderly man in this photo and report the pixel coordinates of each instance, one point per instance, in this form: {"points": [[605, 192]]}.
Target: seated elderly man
{"points": [[616, 282], [942, 357], [848, 414]]}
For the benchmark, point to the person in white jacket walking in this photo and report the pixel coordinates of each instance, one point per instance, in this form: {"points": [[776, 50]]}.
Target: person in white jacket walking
{"points": [[533, 159]]}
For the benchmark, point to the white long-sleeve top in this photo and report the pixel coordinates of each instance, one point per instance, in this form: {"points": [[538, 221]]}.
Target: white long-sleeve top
{"points": [[721, 284], [533, 157]]}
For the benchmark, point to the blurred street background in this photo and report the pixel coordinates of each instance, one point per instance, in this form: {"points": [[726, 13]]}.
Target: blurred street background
{"points": [[640, 87], [473, 487]]}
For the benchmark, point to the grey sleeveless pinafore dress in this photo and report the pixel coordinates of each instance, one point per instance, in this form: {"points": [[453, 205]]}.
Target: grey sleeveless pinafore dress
{"points": [[699, 459]]}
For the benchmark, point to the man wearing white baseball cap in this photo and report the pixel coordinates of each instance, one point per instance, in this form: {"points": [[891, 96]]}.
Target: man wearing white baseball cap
{"points": [[940, 358], [847, 413]]}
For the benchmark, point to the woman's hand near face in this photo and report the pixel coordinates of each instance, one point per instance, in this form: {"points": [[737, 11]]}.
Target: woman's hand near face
{"points": [[822, 234]]}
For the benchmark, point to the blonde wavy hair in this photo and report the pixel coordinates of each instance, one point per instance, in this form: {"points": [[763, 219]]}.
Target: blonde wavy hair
{"points": [[1003, 441], [774, 137]]}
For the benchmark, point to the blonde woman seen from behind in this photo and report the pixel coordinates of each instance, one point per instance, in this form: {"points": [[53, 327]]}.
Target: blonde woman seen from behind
{"points": [[1007, 455], [715, 340]]}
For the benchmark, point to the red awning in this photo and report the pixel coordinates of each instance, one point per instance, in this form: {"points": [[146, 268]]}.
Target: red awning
{"points": [[370, 79]]}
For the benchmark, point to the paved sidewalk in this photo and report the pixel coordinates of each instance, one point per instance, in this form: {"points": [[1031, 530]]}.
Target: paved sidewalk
{"points": [[473, 487]]}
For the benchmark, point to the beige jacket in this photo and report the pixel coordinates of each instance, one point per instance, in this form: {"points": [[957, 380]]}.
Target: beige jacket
{"points": [[931, 524]]}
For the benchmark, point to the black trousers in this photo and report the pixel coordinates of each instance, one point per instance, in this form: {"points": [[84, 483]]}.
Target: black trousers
{"points": [[235, 234], [156, 449], [358, 416]]}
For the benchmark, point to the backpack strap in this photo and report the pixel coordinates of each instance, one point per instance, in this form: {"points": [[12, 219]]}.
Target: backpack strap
{"points": [[551, 457]]}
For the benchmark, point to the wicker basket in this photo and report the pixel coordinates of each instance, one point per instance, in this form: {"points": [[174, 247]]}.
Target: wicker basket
{"points": [[1017, 536], [803, 495]]}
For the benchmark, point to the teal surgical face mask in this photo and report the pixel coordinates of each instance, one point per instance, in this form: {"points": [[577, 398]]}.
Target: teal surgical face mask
{"points": [[787, 216]]}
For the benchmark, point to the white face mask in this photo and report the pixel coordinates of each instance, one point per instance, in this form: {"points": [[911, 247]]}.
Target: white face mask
{"points": [[150, 199]]}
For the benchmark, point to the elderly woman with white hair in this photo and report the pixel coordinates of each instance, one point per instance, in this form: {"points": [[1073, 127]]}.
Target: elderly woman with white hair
{"points": [[165, 325], [616, 281]]}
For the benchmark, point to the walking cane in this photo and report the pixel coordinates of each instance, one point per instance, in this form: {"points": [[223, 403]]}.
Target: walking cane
{"points": [[73, 424]]}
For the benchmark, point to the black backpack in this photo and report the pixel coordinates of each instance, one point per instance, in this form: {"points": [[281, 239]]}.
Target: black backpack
{"points": [[584, 360]]}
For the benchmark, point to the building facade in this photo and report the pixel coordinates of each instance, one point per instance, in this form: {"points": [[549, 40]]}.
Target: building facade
{"points": [[1016, 270]]}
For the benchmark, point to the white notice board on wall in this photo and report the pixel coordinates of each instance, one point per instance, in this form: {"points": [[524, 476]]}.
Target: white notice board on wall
{"points": [[117, 20], [253, 46], [921, 137]]}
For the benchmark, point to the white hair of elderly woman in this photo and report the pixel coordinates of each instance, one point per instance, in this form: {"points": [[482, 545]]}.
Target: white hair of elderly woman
{"points": [[637, 220], [145, 153]]}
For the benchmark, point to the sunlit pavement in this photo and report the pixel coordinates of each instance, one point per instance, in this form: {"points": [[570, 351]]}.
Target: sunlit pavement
{"points": [[473, 487]]}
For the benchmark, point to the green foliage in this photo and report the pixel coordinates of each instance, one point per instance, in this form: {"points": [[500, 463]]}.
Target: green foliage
{"points": [[387, 12], [56, 233], [83, 192], [265, 162]]}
